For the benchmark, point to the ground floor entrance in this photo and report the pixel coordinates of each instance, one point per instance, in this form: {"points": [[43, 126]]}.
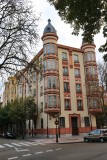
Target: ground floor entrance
{"points": [[74, 125]]}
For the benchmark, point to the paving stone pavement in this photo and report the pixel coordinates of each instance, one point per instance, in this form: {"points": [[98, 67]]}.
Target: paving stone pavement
{"points": [[62, 139]]}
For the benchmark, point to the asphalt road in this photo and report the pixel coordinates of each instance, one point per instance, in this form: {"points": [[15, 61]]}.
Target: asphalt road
{"points": [[25, 150]]}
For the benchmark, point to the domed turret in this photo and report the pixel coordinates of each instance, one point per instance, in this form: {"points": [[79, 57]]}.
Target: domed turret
{"points": [[49, 34], [49, 28]]}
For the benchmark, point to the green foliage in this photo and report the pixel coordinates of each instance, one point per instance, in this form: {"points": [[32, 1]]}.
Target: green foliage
{"points": [[17, 112], [88, 15]]}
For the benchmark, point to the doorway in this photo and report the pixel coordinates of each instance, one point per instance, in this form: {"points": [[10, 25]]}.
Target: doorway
{"points": [[74, 124]]}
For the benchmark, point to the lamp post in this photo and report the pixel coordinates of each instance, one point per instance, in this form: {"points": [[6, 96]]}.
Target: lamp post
{"points": [[47, 126], [56, 123]]}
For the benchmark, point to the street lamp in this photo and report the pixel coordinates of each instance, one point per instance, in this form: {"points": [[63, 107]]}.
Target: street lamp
{"points": [[47, 126], [56, 123]]}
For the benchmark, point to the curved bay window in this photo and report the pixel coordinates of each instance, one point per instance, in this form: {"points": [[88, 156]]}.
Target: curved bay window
{"points": [[51, 82], [51, 100], [50, 48], [91, 71], [89, 56], [50, 64]]}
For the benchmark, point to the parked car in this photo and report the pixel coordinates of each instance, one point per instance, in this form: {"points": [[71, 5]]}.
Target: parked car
{"points": [[8, 135], [96, 135]]}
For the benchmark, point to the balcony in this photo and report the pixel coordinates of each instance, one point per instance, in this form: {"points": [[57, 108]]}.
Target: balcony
{"points": [[51, 90], [54, 110], [48, 72], [95, 110], [91, 76]]}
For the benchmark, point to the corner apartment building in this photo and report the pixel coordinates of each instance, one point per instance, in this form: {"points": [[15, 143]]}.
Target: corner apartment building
{"points": [[65, 89]]}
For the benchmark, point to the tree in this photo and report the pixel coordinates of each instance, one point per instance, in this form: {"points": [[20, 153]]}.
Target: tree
{"points": [[16, 114], [18, 34], [89, 16]]}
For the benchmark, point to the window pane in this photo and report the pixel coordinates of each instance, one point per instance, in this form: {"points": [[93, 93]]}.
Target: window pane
{"points": [[67, 104], [50, 101], [44, 49], [66, 86], [54, 100], [62, 121], [49, 82], [53, 64], [49, 64], [78, 87], [77, 72], [76, 58], [79, 104], [48, 48], [53, 48], [64, 56], [65, 71], [54, 82], [88, 56], [86, 121], [93, 56]]}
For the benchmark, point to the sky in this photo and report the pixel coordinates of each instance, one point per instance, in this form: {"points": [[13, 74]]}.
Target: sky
{"points": [[64, 30]]}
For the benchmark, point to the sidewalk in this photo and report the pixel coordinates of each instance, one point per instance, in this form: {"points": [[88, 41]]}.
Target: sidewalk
{"points": [[61, 140]]}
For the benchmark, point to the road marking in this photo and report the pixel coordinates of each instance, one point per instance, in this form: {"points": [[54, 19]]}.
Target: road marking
{"points": [[58, 149], [2, 146], [12, 158], [25, 144], [49, 150], [33, 143], [25, 155], [18, 145], [21, 150], [8, 145], [39, 152]]}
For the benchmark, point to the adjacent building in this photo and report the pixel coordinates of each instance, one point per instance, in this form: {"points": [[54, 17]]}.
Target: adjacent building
{"points": [[64, 89]]}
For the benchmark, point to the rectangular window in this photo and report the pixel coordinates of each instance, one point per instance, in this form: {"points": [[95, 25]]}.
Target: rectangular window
{"points": [[93, 56], [77, 72], [88, 56], [41, 90], [79, 105], [50, 101], [76, 59], [54, 100], [64, 56], [54, 82], [53, 48], [49, 64], [87, 121], [62, 122], [48, 48], [65, 71], [41, 109], [49, 82], [44, 48], [66, 86], [78, 87], [53, 64], [67, 103], [41, 122]]}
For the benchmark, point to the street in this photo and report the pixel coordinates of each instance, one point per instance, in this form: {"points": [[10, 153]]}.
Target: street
{"points": [[40, 150]]}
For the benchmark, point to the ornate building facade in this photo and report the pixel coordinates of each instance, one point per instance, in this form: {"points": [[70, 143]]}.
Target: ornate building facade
{"points": [[64, 89]]}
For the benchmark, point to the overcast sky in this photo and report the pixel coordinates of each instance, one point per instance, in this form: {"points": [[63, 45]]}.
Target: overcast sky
{"points": [[63, 30]]}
